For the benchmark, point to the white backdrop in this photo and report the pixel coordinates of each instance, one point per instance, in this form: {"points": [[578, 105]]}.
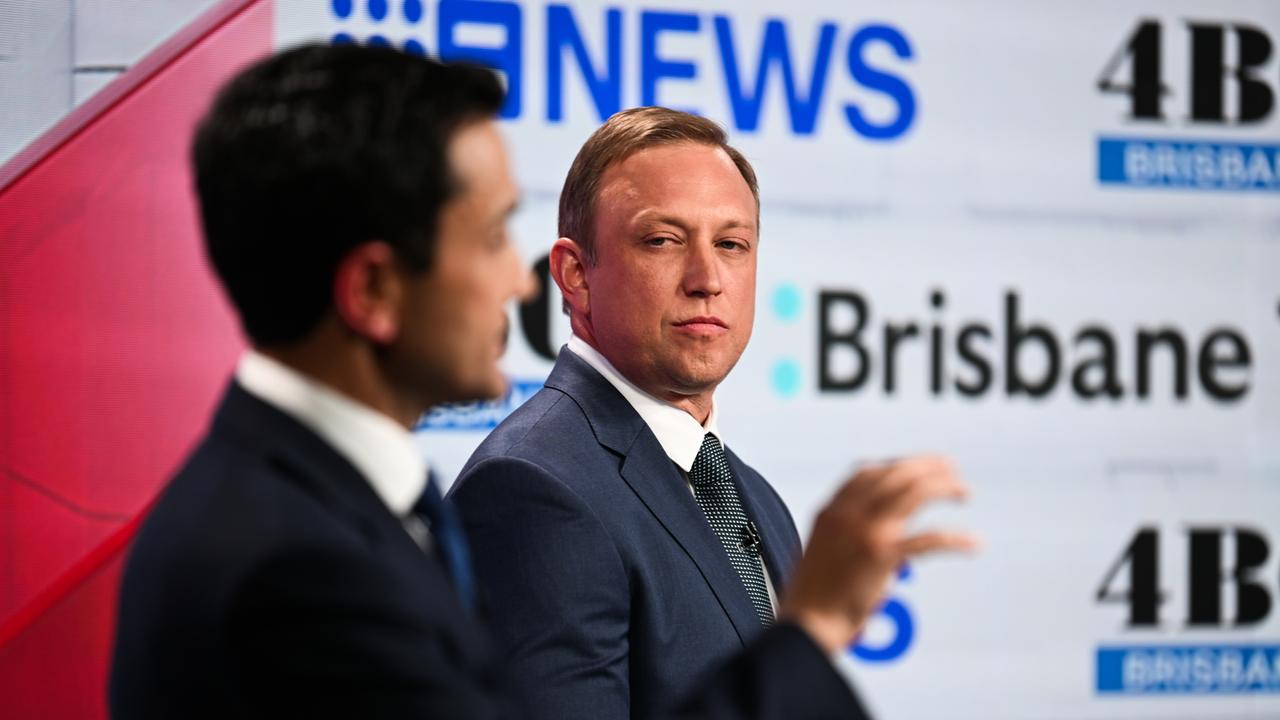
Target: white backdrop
{"points": [[977, 172]]}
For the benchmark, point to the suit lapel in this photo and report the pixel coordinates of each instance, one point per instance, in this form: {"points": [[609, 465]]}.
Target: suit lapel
{"points": [[313, 464], [322, 472], [657, 482], [777, 546]]}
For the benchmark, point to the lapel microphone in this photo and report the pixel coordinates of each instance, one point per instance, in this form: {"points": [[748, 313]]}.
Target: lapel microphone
{"points": [[751, 541]]}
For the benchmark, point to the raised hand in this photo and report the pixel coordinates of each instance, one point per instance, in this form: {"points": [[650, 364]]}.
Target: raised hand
{"points": [[859, 541]]}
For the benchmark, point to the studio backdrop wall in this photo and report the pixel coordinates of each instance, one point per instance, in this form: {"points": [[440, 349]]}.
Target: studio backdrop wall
{"points": [[1042, 238]]}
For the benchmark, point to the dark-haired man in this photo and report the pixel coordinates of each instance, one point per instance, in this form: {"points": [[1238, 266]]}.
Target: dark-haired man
{"points": [[355, 204], [302, 563]]}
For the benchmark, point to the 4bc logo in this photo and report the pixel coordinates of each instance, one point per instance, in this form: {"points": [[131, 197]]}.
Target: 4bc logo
{"points": [[1211, 72], [1206, 579]]}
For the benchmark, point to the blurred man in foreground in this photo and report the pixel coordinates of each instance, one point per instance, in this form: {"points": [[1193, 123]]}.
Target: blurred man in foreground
{"points": [[302, 562]]}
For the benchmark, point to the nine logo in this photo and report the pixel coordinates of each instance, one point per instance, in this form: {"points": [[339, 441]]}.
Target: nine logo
{"points": [[494, 33]]}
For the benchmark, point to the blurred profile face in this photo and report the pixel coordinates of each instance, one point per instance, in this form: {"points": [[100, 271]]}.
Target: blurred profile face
{"points": [[672, 291], [454, 326]]}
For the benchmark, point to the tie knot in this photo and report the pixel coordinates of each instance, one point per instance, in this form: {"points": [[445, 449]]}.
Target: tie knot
{"points": [[430, 503], [710, 465]]}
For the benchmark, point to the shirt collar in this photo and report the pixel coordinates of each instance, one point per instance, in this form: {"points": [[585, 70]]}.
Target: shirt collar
{"points": [[379, 448], [678, 433]]}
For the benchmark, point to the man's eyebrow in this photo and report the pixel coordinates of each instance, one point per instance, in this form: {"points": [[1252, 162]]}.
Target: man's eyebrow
{"points": [[649, 218]]}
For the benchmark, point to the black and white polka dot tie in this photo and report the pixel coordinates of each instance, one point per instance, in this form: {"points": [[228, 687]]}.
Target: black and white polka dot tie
{"points": [[718, 497]]}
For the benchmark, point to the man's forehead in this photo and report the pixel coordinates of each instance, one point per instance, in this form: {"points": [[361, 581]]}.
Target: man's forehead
{"points": [[479, 161], [665, 154], [477, 147], [658, 167], [656, 178]]}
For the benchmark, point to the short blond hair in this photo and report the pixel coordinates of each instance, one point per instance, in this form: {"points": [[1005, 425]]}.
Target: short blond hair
{"points": [[622, 135]]}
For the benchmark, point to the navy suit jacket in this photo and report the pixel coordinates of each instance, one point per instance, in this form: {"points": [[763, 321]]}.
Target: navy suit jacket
{"points": [[611, 592], [270, 581]]}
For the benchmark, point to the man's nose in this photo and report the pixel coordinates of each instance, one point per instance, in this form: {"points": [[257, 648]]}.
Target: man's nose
{"points": [[702, 270], [527, 284]]}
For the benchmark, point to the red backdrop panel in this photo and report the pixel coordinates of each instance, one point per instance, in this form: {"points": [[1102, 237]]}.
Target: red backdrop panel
{"points": [[114, 346]]}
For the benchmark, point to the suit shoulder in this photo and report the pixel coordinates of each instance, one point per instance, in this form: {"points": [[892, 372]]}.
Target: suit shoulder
{"points": [[229, 507], [545, 447], [530, 430]]}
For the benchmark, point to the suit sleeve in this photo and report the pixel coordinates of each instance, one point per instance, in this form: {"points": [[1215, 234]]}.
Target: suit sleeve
{"points": [[309, 639], [782, 676], [556, 587]]}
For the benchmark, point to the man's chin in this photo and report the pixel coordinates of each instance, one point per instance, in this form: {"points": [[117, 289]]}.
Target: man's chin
{"points": [[697, 380], [475, 390], [498, 387], [494, 388], [702, 369]]}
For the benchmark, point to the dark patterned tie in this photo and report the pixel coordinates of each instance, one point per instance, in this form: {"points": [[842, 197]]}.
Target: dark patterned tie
{"points": [[450, 540], [718, 497]]}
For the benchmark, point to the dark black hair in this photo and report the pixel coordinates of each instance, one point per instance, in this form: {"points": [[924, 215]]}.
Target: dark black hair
{"points": [[311, 152]]}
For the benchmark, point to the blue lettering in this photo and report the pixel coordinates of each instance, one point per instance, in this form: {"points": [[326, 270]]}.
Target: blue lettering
{"points": [[505, 58], [874, 79], [904, 631], [491, 32], [653, 68], [746, 107], [606, 91]]}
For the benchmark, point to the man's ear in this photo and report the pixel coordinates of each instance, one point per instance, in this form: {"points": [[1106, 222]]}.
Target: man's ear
{"points": [[368, 290], [569, 270]]}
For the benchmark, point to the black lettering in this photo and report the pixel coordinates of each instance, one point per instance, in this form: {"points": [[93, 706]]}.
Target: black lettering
{"points": [[1256, 98], [1015, 338], [1204, 576], [1210, 362], [1206, 73], [964, 345], [829, 339], [1253, 602], [1208, 69], [1145, 88], [936, 357], [535, 315], [1143, 597], [892, 336], [1104, 364], [1147, 341]]}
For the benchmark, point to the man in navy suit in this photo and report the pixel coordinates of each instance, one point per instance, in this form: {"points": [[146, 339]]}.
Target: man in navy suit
{"points": [[354, 204], [626, 550], [302, 563]]}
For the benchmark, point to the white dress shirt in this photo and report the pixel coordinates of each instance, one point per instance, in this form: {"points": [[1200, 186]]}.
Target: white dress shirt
{"points": [[678, 433], [379, 447]]}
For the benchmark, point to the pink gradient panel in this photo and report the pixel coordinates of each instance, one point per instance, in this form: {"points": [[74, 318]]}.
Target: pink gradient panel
{"points": [[115, 344], [57, 668]]}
